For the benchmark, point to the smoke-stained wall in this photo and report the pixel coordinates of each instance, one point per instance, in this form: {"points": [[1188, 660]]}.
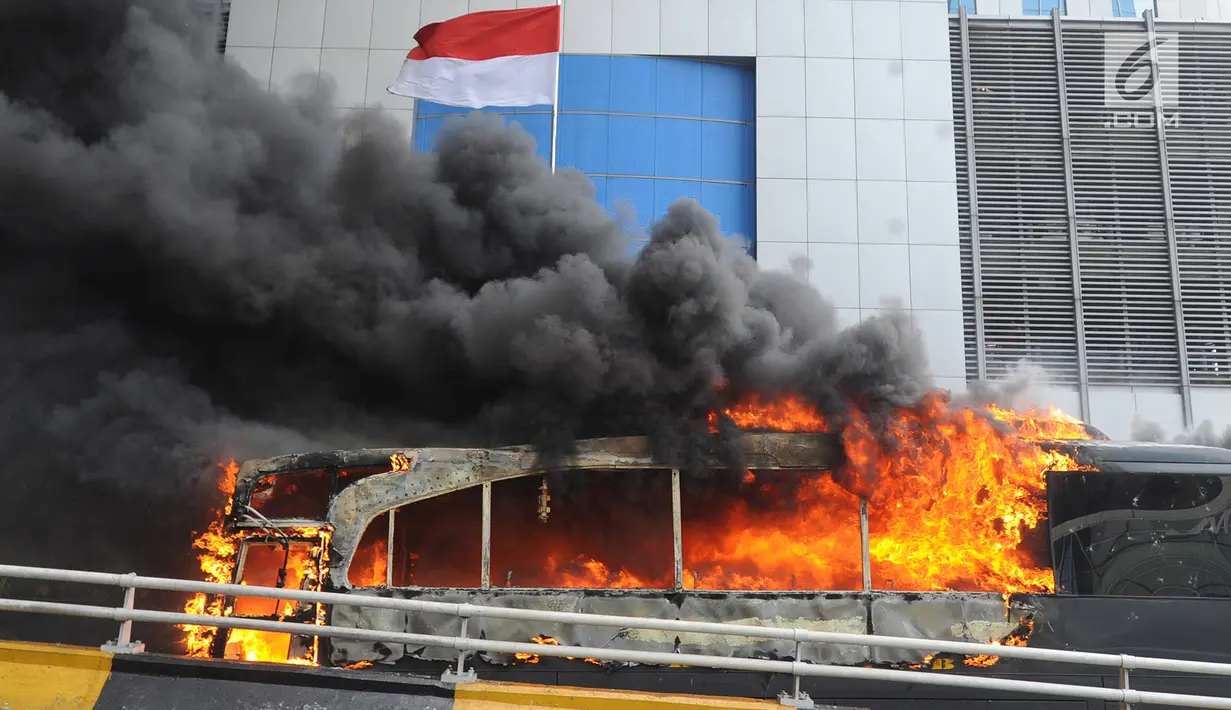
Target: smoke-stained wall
{"points": [[855, 181]]}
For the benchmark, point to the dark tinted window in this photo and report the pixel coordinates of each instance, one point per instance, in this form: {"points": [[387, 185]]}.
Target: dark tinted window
{"points": [[1141, 535], [304, 494], [293, 495]]}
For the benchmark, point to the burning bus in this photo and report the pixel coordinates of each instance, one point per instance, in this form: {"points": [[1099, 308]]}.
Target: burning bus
{"points": [[946, 523]]}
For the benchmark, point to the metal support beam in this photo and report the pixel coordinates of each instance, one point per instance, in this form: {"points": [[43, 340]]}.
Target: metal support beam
{"points": [[1070, 196], [972, 192], [1160, 123], [485, 572], [123, 642], [865, 544], [389, 549], [677, 528]]}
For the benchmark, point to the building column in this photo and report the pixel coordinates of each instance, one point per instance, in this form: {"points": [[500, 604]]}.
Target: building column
{"points": [[1070, 197]]}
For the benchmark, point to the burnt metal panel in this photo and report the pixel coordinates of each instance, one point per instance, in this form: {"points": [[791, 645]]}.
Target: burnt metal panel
{"points": [[1192, 628], [952, 617], [1147, 457], [981, 617]]}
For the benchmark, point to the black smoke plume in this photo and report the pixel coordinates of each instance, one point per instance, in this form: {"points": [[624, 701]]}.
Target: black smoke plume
{"points": [[193, 269]]}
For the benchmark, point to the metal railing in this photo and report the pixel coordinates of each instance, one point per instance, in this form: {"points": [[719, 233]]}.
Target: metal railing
{"points": [[463, 645]]}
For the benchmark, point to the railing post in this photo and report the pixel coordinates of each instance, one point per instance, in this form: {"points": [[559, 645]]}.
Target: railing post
{"points": [[1126, 663], [389, 548], [865, 545], [485, 571], [677, 535], [797, 698], [462, 675], [123, 643]]}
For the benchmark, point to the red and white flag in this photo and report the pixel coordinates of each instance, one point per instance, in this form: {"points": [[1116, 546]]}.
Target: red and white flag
{"points": [[492, 58]]}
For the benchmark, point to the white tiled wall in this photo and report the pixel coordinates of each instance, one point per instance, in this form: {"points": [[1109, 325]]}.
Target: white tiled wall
{"points": [[859, 124], [1114, 409], [855, 165]]}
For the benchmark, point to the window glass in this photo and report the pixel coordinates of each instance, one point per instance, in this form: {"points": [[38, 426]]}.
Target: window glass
{"points": [[293, 495], [1141, 535], [1041, 8], [304, 494]]}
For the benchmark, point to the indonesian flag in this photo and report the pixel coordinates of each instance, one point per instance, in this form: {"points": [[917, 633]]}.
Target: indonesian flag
{"points": [[492, 58]]}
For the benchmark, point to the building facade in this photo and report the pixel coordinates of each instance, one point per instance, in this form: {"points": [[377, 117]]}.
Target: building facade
{"points": [[834, 138], [1096, 231]]}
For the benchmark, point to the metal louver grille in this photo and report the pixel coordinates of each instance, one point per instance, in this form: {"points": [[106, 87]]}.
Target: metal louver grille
{"points": [[1199, 159], [1128, 307], [224, 23], [1025, 263], [1134, 257], [218, 13], [965, 245]]}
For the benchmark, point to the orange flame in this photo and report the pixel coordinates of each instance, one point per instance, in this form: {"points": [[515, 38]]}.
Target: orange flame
{"points": [[541, 640], [548, 641], [952, 494], [218, 556], [1019, 637], [217, 559], [591, 574], [370, 566], [357, 665], [1033, 424], [789, 414], [950, 497]]}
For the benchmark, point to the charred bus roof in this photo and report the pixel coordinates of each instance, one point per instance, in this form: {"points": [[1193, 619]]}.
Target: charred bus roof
{"points": [[1148, 457], [772, 451]]}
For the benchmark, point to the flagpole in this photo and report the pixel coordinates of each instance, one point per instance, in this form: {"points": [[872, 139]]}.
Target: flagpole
{"points": [[555, 104]]}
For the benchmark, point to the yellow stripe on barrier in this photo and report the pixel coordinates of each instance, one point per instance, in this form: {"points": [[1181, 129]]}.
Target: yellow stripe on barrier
{"points": [[502, 696], [35, 676]]}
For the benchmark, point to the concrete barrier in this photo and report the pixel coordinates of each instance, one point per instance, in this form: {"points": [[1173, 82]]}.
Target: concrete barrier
{"points": [[50, 677], [506, 696], [37, 676]]}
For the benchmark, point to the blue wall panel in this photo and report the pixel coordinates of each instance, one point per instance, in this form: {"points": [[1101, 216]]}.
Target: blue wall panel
{"points": [[585, 139], [648, 131], [585, 83], [677, 147], [730, 92], [679, 90]]}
